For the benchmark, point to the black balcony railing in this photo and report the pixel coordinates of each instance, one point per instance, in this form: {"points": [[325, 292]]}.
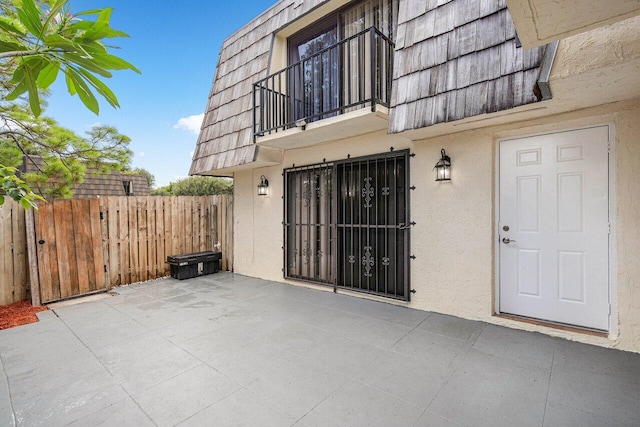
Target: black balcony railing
{"points": [[353, 73]]}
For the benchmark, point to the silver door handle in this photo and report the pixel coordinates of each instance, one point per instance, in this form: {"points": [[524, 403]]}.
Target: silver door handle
{"points": [[507, 240]]}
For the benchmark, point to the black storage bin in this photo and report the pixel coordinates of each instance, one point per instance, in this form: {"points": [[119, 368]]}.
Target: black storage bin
{"points": [[187, 266]]}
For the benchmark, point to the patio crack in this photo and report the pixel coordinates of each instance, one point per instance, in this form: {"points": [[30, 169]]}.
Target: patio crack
{"points": [[6, 377], [546, 400]]}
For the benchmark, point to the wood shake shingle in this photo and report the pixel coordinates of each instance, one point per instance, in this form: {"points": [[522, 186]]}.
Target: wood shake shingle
{"points": [[453, 59], [456, 59]]}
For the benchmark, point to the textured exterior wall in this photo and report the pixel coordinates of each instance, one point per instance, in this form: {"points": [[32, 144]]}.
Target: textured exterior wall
{"points": [[453, 239], [542, 21]]}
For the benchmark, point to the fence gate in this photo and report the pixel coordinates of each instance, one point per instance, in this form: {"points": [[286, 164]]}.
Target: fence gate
{"points": [[69, 248]]}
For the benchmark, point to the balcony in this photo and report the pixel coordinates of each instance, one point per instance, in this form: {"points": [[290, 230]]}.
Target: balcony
{"points": [[350, 75]]}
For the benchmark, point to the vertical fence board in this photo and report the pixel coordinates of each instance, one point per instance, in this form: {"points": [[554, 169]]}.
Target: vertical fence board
{"points": [[177, 227], [152, 244], [50, 271], [123, 231], [20, 270], [78, 239], [133, 241], [96, 246], [158, 203], [141, 209], [61, 215], [6, 252], [113, 237], [103, 214], [168, 230], [34, 278]]}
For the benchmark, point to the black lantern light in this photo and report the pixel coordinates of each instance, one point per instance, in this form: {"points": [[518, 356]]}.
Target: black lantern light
{"points": [[262, 186], [443, 167]]}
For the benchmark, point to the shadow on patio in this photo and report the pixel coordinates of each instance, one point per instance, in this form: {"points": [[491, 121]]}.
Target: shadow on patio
{"points": [[232, 350]]}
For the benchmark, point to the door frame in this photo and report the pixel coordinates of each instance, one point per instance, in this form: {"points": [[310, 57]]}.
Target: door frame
{"points": [[612, 264]]}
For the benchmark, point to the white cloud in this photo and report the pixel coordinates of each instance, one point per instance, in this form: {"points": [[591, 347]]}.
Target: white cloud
{"points": [[191, 124]]}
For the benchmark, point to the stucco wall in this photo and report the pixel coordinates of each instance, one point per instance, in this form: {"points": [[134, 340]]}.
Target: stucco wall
{"points": [[453, 239]]}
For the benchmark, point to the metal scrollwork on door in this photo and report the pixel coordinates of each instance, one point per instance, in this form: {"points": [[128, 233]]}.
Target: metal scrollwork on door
{"points": [[368, 191], [385, 191], [368, 261], [306, 195], [352, 259], [385, 261], [306, 253]]}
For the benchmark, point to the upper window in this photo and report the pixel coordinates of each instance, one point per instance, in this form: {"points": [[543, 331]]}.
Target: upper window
{"points": [[336, 65]]}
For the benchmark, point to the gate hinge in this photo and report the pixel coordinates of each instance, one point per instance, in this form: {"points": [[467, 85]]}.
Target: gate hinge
{"points": [[412, 188], [413, 291], [105, 268], [101, 215], [412, 257], [412, 155]]}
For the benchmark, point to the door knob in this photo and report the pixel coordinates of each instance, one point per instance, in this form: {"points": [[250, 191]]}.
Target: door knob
{"points": [[507, 240]]}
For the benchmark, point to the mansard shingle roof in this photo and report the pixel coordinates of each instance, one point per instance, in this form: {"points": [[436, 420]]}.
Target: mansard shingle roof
{"points": [[454, 59]]}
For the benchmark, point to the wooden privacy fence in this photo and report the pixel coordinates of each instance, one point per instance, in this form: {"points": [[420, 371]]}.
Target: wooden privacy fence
{"points": [[14, 273], [82, 246]]}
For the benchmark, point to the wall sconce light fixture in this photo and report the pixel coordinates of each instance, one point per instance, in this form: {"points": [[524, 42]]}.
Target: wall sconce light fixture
{"points": [[262, 186], [443, 167]]}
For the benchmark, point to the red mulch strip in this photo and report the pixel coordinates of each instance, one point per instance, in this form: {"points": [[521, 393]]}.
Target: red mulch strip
{"points": [[18, 313]]}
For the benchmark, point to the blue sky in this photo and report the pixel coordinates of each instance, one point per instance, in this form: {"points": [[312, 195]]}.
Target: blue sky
{"points": [[175, 44]]}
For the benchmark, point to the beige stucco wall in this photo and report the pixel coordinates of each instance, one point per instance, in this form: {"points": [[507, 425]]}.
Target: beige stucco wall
{"points": [[453, 239]]}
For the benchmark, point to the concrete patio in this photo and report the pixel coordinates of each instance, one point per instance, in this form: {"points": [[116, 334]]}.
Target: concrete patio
{"points": [[231, 350]]}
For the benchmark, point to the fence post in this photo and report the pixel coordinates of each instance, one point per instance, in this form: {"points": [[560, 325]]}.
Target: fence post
{"points": [[34, 278]]}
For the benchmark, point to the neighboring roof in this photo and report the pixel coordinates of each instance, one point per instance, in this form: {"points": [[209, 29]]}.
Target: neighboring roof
{"points": [[454, 59], [226, 137], [458, 59], [110, 184]]}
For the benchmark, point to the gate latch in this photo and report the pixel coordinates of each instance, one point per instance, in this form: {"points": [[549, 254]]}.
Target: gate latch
{"points": [[406, 227]]}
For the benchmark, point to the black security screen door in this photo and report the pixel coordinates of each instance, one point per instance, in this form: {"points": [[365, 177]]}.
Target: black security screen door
{"points": [[308, 230], [347, 224], [373, 225]]}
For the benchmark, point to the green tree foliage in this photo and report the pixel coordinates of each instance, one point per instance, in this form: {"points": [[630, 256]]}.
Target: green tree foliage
{"points": [[196, 186], [39, 41], [16, 188], [59, 157], [151, 180]]}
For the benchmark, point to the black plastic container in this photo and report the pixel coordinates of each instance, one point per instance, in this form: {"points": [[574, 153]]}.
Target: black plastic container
{"points": [[187, 266]]}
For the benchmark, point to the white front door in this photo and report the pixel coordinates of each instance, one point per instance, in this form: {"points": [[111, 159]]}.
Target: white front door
{"points": [[554, 227]]}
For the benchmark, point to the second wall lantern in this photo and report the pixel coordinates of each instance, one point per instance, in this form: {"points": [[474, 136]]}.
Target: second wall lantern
{"points": [[443, 167], [263, 186]]}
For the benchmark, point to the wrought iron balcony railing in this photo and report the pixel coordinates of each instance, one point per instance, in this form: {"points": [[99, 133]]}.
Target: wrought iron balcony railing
{"points": [[353, 73]]}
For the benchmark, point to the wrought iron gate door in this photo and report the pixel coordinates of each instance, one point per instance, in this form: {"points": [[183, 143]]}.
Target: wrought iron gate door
{"points": [[373, 225]]}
